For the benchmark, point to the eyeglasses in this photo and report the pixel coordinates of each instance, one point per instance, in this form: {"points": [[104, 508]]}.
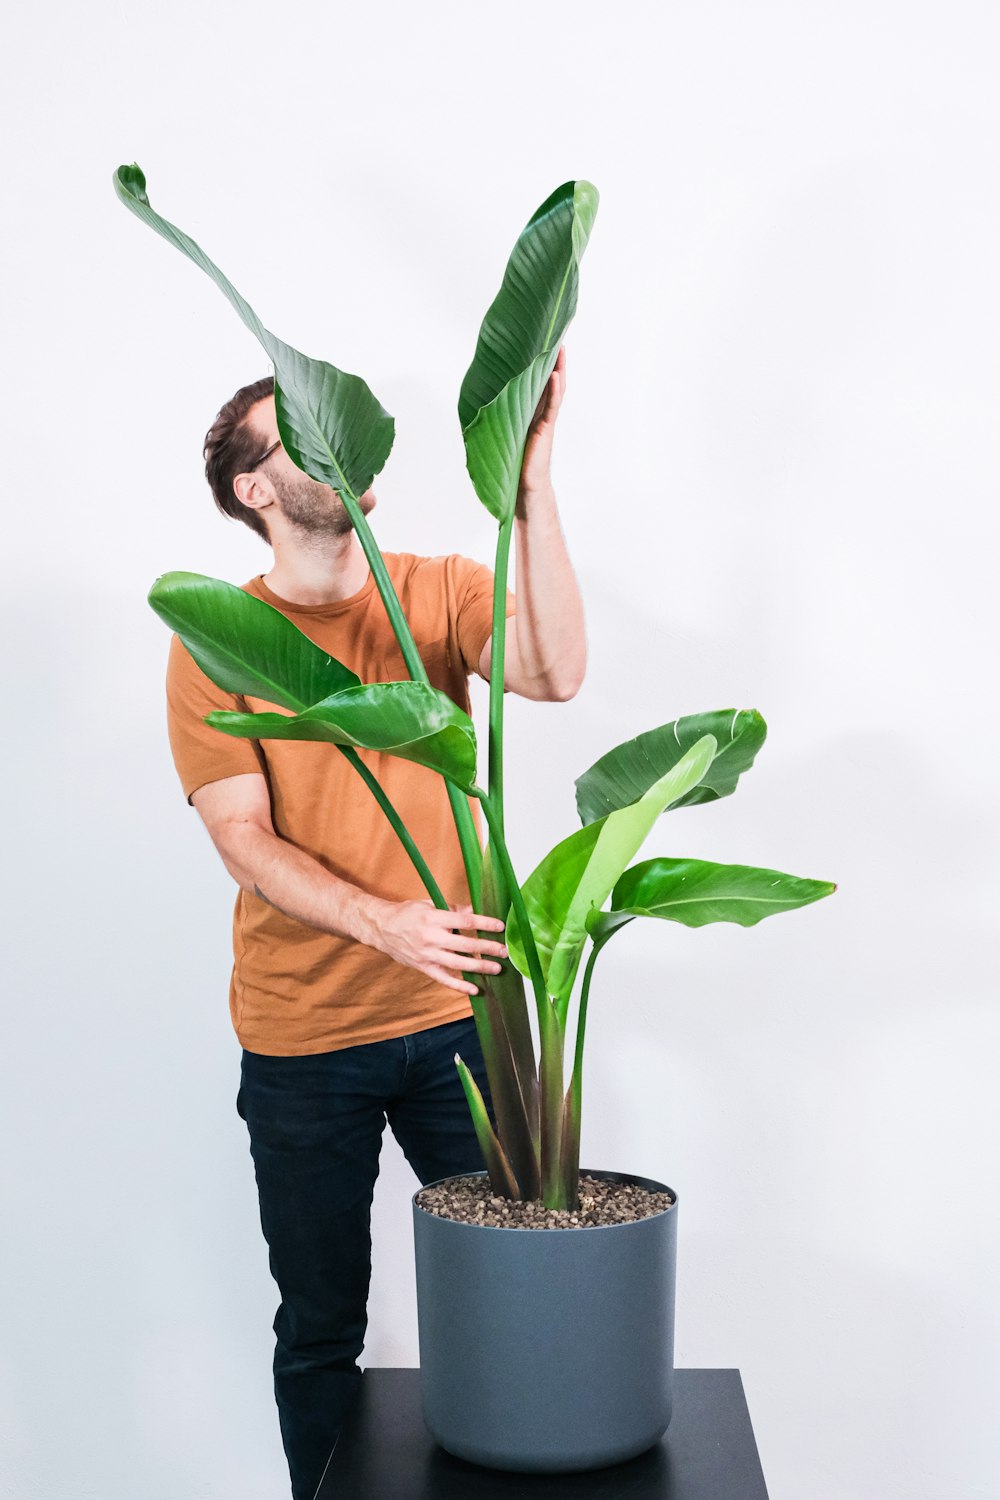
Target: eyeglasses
{"points": [[258, 461]]}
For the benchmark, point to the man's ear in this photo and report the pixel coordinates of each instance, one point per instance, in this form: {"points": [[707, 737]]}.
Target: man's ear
{"points": [[248, 491]]}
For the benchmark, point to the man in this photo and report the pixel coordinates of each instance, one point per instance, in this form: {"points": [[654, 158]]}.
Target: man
{"points": [[347, 992]]}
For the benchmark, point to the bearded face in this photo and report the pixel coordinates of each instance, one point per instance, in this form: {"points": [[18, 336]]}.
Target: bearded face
{"points": [[314, 508]]}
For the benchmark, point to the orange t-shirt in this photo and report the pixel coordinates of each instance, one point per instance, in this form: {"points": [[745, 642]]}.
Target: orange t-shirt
{"points": [[295, 989]]}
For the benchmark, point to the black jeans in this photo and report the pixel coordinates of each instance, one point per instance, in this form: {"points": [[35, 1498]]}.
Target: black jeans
{"points": [[315, 1126]]}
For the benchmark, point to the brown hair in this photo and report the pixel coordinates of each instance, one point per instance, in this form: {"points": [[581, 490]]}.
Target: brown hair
{"points": [[230, 448]]}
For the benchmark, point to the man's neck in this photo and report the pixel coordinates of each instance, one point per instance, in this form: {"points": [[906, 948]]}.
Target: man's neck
{"points": [[325, 575]]}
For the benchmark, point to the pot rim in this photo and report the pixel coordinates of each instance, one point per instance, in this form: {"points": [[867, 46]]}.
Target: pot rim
{"points": [[606, 1173]]}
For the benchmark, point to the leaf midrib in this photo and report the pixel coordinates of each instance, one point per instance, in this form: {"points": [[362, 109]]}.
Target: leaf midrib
{"points": [[232, 657], [651, 911]]}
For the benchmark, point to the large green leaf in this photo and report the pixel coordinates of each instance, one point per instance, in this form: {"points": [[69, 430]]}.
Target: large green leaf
{"points": [[330, 423], [519, 342], [576, 877], [408, 719], [696, 892], [246, 645], [622, 775]]}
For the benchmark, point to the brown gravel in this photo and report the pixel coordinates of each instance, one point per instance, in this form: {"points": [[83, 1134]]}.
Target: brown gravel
{"points": [[470, 1200]]}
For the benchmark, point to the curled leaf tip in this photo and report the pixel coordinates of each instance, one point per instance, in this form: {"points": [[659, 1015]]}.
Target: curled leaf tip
{"points": [[750, 716], [132, 180], [586, 194]]}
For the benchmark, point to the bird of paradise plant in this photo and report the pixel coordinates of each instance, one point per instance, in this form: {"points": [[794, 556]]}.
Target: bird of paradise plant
{"points": [[335, 430]]}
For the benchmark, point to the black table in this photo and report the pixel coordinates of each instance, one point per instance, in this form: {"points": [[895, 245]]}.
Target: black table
{"points": [[386, 1453]]}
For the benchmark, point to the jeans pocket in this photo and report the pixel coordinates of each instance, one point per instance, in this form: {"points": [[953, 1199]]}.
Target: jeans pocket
{"points": [[239, 1103]]}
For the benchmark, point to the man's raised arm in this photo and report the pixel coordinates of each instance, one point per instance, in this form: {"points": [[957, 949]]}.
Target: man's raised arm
{"points": [[545, 652]]}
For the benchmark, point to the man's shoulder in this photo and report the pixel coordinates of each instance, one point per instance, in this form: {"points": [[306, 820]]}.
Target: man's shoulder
{"points": [[446, 578], [446, 574], [414, 563]]}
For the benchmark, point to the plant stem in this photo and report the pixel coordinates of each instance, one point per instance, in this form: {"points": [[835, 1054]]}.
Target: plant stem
{"points": [[512, 1115], [581, 1024], [515, 1096], [502, 1044], [498, 648], [468, 837], [420, 865], [550, 1031], [570, 1163], [384, 584], [551, 1089], [517, 901], [509, 986], [399, 827], [502, 1179]]}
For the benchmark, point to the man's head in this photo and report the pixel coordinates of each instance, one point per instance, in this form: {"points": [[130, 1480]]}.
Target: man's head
{"points": [[253, 480]]}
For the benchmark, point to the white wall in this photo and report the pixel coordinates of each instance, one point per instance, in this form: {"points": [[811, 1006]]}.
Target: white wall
{"points": [[777, 466]]}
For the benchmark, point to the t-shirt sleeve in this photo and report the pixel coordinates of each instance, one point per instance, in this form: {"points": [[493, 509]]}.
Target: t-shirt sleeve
{"points": [[474, 609], [201, 753]]}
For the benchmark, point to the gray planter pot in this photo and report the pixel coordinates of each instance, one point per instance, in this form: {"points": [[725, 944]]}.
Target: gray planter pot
{"points": [[547, 1350]]}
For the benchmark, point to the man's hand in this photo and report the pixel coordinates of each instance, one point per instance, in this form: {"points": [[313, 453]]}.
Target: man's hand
{"points": [[537, 459], [420, 935], [545, 639]]}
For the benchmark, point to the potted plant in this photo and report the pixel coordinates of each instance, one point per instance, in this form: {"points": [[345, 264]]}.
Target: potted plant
{"points": [[545, 1295]]}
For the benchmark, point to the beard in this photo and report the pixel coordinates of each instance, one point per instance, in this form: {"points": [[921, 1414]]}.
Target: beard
{"points": [[315, 509]]}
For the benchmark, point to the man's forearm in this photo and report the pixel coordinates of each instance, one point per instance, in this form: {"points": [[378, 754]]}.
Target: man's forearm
{"points": [[297, 884], [417, 934], [549, 624]]}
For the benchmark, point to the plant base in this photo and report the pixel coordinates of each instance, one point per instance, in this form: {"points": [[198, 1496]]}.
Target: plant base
{"points": [[549, 1350]]}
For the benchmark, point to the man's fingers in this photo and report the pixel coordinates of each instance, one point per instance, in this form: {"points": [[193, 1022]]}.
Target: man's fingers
{"points": [[478, 945], [464, 916], [560, 370], [466, 961], [436, 971]]}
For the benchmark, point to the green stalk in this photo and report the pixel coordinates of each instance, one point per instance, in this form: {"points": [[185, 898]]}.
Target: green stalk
{"points": [[503, 1047], [393, 608], [472, 854], [499, 642], [515, 1098], [550, 1031], [581, 1025], [490, 1028], [517, 901], [508, 1102], [489, 1022], [402, 832], [551, 1081], [570, 1164], [502, 1179], [398, 826], [509, 1067], [419, 863], [508, 987]]}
